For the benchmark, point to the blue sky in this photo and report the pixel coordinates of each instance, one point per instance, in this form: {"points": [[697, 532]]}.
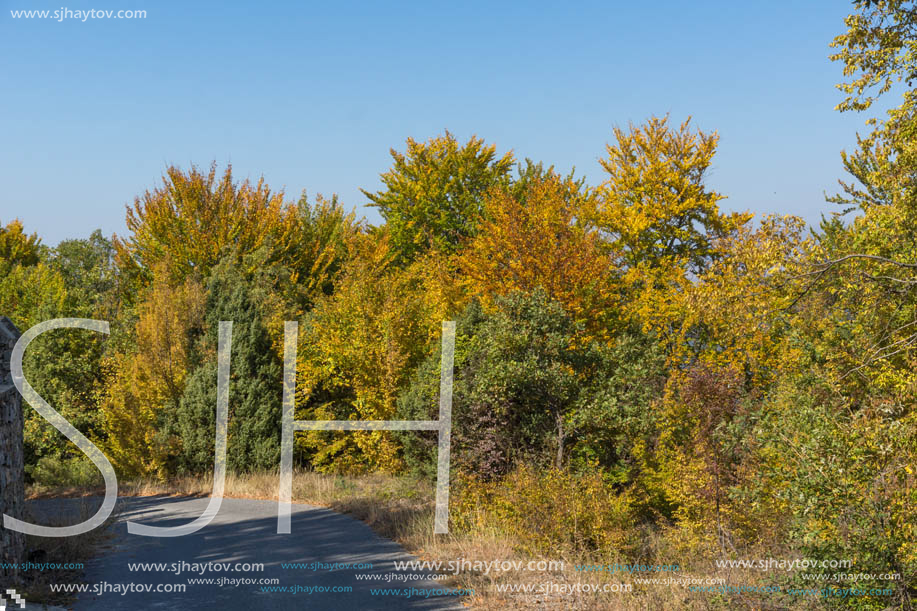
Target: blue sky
{"points": [[313, 95]]}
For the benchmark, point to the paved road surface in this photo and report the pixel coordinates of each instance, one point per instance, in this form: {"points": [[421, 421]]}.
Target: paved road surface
{"points": [[244, 531]]}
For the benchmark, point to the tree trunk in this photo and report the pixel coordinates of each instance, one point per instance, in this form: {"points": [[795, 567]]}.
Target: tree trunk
{"points": [[12, 543], [559, 463]]}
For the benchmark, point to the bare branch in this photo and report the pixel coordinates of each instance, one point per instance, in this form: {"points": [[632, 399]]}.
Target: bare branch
{"points": [[832, 263]]}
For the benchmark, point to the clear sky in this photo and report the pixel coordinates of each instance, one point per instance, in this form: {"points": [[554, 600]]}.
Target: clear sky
{"points": [[313, 95]]}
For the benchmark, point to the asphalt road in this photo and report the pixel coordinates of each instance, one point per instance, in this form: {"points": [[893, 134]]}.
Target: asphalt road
{"points": [[244, 532]]}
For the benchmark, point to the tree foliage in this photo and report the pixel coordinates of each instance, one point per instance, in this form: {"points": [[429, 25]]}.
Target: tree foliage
{"points": [[654, 207], [521, 376], [17, 248], [540, 237], [194, 217], [147, 381], [434, 191], [255, 379], [359, 348], [878, 50]]}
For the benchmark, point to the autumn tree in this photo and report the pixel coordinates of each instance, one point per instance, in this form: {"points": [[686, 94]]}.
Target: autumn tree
{"points": [[826, 336], [194, 217], [870, 262], [720, 339], [30, 294], [17, 248], [654, 207], [147, 380], [314, 248], [538, 236], [29, 287], [358, 349], [878, 51], [434, 192]]}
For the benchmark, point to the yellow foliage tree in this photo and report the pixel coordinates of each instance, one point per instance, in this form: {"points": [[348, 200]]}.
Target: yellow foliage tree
{"points": [[30, 294], [150, 378], [17, 248], [730, 337], [654, 205], [659, 220], [361, 345], [189, 223], [540, 238]]}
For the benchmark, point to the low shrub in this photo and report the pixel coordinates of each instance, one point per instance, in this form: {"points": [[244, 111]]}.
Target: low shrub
{"points": [[54, 471], [546, 511]]}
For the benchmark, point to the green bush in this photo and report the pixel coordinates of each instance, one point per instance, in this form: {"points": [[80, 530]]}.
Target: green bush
{"points": [[255, 376], [53, 471], [518, 375], [530, 386]]}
